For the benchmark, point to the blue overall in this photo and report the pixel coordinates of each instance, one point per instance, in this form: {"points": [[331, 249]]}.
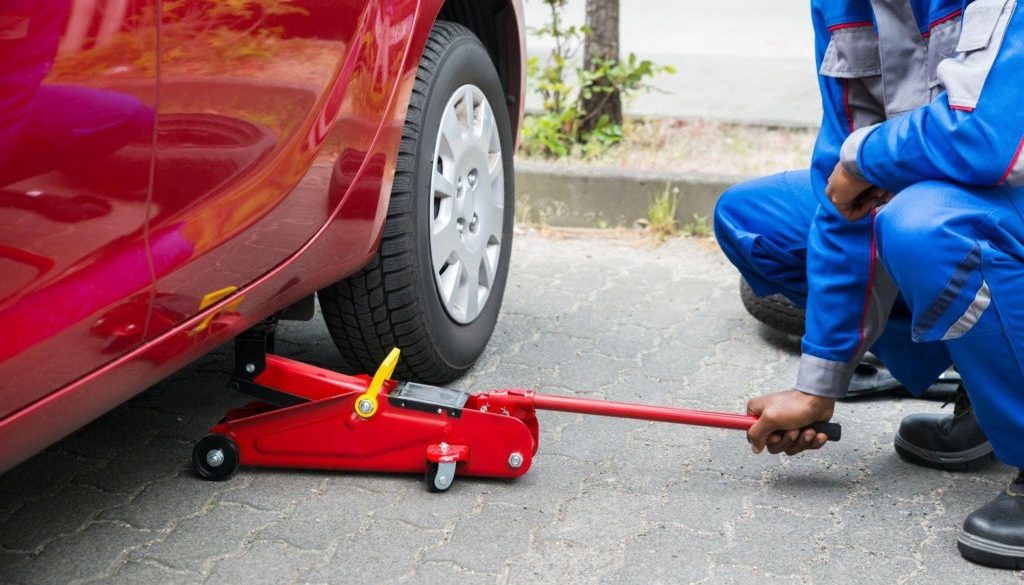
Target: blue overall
{"points": [[922, 98]]}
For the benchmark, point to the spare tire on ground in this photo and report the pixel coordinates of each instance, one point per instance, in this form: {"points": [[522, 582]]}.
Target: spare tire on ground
{"points": [[775, 311]]}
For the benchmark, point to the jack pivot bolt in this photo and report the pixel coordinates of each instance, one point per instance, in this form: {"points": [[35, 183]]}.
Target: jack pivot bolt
{"points": [[365, 406], [515, 460]]}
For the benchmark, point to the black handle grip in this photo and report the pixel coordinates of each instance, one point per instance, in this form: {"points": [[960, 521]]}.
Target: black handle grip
{"points": [[834, 431]]}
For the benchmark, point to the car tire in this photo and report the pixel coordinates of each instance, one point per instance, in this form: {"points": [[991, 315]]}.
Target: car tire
{"points": [[775, 311], [396, 300]]}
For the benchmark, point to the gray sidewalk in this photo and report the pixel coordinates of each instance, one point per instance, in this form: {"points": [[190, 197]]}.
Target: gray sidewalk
{"points": [[737, 60], [608, 501]]}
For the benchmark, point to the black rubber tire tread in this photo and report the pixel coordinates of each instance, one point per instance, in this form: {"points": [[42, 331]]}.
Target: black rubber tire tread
{"points": [[775, 311], [381, 307]]}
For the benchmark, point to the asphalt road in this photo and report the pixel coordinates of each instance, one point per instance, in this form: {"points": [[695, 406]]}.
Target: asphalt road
{"points": [[737, 60], [607, 501]]}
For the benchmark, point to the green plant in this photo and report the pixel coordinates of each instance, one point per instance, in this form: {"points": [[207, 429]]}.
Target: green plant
{"points": [[565, 86], [698, 227], [661, 214]]}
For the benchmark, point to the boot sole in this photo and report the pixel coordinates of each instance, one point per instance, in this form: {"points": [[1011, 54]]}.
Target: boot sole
{"points": [[990, 553], [970, 459]]}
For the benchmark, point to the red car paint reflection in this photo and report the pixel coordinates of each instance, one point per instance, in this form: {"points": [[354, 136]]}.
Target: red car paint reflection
{"points": [[251, 146]]}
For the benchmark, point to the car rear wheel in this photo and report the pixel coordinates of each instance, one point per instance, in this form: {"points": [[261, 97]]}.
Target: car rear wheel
{"points": [[435, 287]]}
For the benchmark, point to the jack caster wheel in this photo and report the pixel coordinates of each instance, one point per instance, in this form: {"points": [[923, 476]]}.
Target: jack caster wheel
{"points": [[440, 476], [215, 457]]}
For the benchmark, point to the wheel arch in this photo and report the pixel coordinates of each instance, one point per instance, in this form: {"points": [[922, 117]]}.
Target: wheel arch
{"points": [[499, 26]]}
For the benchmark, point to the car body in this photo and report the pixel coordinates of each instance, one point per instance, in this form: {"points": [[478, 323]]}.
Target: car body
{"points": [[169, 178]]}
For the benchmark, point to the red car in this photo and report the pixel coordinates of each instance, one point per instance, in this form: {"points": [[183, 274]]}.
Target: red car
{"points": [[172, 173]]}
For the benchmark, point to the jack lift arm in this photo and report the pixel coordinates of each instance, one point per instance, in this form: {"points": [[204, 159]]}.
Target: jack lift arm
{"points": [[308, 417]]}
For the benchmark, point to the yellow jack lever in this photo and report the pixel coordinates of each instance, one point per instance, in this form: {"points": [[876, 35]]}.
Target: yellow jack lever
{"points": [[366, 404]]}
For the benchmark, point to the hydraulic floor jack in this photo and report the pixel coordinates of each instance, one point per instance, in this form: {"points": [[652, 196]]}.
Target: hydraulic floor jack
{"points": [[308, 417]]}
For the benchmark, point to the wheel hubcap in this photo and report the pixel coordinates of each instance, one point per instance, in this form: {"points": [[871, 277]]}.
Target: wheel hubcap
{"points": [[467, 204]]}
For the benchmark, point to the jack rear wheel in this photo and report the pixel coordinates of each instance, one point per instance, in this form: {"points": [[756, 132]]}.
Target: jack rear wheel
{"points": [[440, 477]]}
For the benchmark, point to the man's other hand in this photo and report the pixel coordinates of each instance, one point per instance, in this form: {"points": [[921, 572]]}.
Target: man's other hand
{"points": [[784, 418], [852, 197]]}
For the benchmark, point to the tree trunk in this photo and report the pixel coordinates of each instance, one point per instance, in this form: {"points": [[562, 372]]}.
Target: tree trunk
{"points": [[602, 43]]}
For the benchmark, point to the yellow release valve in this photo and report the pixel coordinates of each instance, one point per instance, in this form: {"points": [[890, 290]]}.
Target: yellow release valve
{"points": [[366, 404]]}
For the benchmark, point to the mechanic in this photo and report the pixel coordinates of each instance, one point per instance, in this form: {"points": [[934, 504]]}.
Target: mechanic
{"points": [[905, 237]]}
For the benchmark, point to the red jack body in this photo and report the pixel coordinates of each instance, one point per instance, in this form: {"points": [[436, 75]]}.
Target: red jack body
{"points": [[326, 420]]}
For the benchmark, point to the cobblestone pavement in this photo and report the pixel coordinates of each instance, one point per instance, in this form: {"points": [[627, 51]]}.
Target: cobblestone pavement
{"points": [[607, 501]]}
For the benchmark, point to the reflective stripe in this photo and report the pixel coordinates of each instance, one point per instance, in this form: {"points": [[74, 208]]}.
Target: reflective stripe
{"points": [[904, 57], [969, 319], [948, 295]]}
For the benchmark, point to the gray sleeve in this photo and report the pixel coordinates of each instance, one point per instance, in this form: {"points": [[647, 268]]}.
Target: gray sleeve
{"points": [[822, 377], [851, 147], [831, 379]]}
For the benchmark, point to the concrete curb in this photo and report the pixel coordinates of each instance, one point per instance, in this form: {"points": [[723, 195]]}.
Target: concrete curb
{"points": [[565, 196]]}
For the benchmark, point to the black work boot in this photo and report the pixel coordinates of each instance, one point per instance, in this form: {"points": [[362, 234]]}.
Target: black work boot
{"points": [[993, 535], [951, 442]]}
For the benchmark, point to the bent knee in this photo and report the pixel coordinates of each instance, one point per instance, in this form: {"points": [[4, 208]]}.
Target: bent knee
{"points": [[735, 209], [920, 216], [917, 210]]}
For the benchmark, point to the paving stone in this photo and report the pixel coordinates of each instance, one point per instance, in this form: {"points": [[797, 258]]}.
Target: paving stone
{"points": [[599, 517], [441, 572], [162, 503], [276, 490], [430, 511], [137, 573], [705, 502], [134, 468], [497, 532], [194, 542], [272, 563], [872, 568], [729, 575], [590, 438], [43, 519], [89, 553], [941, 562], [45, 474], [8, 559], [319, 520], [665, 555], [774, 541], [564, 562], [551, 480], [128, 428], [384, 551]]}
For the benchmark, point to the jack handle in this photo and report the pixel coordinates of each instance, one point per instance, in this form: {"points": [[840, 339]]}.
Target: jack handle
{"points": [[722, 420]]}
